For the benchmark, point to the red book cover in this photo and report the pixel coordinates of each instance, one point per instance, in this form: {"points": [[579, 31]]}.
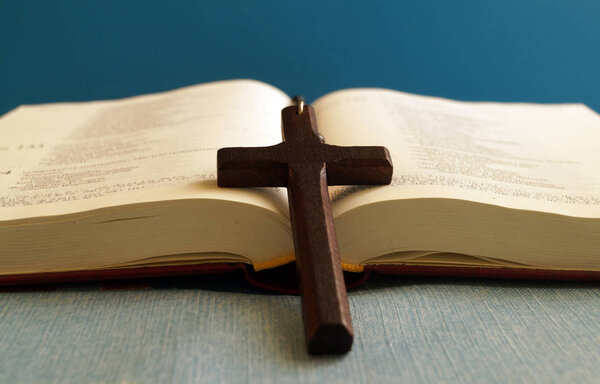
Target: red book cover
{"points": [[283, 279]]}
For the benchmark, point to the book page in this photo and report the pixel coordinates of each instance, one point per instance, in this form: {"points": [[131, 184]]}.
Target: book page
{"points": [[72, 157], [524, 156]]}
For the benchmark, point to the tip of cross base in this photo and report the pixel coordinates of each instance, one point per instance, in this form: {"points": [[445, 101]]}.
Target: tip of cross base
{"points": [[330, 340]]}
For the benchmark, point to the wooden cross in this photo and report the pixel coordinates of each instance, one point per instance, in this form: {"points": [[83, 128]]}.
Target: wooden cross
{"points": [[306, 166]]}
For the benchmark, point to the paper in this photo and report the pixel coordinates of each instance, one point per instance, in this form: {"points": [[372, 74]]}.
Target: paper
{"points": [[523, 156], [73, 157]]}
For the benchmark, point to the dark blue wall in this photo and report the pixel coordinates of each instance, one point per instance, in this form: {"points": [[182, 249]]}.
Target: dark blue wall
{"points": [[533, 50]]}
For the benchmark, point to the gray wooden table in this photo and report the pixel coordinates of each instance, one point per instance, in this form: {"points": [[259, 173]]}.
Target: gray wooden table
{"points": [[221, 330]]}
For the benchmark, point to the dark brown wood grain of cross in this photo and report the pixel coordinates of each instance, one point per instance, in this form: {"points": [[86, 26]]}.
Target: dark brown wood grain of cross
{"points": [[306, 166]]}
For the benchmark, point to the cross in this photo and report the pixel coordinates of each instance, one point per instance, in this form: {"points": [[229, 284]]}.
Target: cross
{"points": [[306, 166]]}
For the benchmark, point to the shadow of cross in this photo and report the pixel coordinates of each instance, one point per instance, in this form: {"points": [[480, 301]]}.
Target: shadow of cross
{"points": [[306, 166]]}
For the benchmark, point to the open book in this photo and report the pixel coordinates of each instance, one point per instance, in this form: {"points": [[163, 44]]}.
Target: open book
{"points": [[116, 185]]}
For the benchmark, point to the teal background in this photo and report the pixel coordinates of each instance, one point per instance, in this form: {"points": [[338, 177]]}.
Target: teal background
{"points": [[510, 50]]}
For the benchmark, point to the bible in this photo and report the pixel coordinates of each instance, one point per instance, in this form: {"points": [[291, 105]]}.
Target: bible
{"points": [[127, 188]]}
